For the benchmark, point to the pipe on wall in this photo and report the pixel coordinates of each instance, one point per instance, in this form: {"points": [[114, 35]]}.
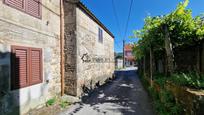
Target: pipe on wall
{"points": [[62, 45]]}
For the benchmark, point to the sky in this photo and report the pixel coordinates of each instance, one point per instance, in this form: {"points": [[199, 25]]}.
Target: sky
{"points": [[104, 11]]}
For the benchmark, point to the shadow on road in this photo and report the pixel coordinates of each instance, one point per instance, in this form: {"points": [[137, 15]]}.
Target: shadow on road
{"points": [[123, 95]]}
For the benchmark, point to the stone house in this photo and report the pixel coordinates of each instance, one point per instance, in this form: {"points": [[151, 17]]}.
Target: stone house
{"points": [[129, 58], [31, 49], [29, 54], [89, 50]]}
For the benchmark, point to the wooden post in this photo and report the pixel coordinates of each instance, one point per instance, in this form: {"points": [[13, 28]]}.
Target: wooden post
{"points": [[144, 65], [169, 52], [151, 67]]}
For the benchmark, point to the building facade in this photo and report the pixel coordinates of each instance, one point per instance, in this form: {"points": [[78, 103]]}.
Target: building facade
{"points": [[119, 63], [129, 58], [29, 54], [119, 60], [89, 50]]}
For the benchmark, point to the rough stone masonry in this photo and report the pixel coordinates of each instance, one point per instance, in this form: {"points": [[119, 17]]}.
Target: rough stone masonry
{"points": [[21, 29], [88, 62]]}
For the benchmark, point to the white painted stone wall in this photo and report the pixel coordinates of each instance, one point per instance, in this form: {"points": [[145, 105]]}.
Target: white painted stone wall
{"points": [[21, 29], [119, 63], [90, 73]]}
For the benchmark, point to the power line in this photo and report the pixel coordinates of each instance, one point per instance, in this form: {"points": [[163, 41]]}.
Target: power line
{"points": [[116, 16], [119, 46], [130, 9], [117, 22]]}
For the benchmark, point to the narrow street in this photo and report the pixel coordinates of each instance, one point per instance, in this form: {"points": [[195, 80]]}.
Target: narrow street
{"points": [[123, 96]]}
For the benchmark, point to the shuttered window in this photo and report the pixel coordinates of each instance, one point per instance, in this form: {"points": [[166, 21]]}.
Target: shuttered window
{"points": [[35, 66], [20, 67], [26, 66], [32, 7], [19, 4]]}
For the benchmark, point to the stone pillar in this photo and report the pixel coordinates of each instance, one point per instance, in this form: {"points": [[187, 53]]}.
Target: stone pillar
{"points": [[70, 48]]}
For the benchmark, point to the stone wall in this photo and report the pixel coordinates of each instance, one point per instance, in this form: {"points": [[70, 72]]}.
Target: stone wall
{"points": [[70, 49], [191, 100], [21, 29], [81, 41], [187, 59], [100, 65]]}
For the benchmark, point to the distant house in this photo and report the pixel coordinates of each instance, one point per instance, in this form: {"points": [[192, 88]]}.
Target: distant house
{"points": [[118, 60], [29, 54], [89, 50], [129, 58], [119, 63]]}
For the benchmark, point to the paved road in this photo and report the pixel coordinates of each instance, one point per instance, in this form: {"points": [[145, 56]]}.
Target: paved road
{"points": [[123, 96]]}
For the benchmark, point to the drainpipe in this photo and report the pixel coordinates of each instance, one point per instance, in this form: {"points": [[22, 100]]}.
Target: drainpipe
{"points": [[62, 45]]}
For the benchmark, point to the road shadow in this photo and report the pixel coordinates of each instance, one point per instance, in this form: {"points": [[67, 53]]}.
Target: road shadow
{"points": [[9, 98], [122, 95]]}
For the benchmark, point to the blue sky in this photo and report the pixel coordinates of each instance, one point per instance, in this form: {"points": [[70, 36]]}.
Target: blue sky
{"points": [[103, 10]]}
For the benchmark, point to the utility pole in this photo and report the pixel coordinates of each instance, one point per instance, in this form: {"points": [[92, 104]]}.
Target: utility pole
{"points": [[123, 53]]}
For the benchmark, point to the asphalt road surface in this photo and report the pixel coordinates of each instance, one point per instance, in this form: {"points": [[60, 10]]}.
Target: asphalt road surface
{"points": [[123, 96]]}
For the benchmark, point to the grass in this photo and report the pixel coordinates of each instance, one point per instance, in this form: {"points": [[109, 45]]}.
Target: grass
{"points": [[58, 101], [64, 103], [51, 102]]}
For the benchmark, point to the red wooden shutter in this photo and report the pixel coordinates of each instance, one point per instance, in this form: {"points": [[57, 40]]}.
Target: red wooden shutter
{"points": [[19, 4], [33, 7], [20, 67], [35, 66]]}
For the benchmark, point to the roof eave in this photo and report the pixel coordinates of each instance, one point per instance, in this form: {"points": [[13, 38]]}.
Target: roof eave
{"points": [[88, 12]]}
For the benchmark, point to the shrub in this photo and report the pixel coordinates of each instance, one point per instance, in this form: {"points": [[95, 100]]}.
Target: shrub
{"points": [[164, 101], [192, 80]]}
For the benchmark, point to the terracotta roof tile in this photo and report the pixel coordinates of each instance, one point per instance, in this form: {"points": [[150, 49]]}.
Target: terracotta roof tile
{"points": [[128, 47]]}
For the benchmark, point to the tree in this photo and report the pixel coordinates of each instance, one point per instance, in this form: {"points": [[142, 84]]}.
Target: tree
{"points": [[165, 33]]}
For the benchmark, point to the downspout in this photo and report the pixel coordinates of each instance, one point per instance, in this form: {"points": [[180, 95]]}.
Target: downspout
{"points": [[62, 45]]}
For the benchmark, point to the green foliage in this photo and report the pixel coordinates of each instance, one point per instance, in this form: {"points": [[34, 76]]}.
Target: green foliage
{"points": [[193, 80], [51, 102], [167, 104], [58, 102], [183, 30], [164, 101], [64, 103], [119, 55], [161, 81]]}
